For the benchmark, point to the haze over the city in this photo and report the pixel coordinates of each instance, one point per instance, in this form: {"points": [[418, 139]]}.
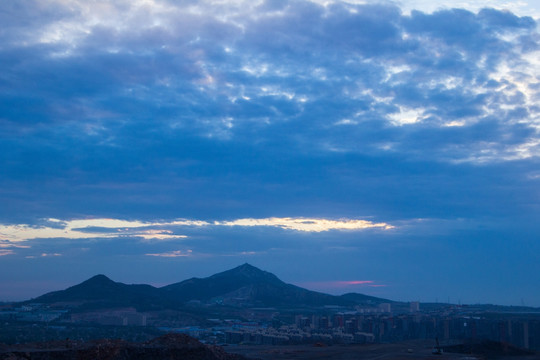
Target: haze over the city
{"points": [[385, 148]]}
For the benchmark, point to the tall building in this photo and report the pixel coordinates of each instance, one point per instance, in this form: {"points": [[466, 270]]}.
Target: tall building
{"points": [[339, 321]]}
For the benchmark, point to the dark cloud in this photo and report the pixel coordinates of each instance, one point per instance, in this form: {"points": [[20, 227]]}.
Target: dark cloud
{"points": [[503, 20]]}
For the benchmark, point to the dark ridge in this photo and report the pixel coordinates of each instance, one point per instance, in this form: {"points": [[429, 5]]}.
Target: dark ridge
{"points": [[248, 285], [170, 346], [245, 285], [100, 291]]}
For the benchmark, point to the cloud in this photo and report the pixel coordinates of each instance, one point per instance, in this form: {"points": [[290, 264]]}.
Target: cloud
{"points": [[165, 230], [173, 254], [48, 254], [308, 225], [43, 255], [127, 107], [89, 228], [355, 282], [4, 244], [524, 8], [230, 71]]}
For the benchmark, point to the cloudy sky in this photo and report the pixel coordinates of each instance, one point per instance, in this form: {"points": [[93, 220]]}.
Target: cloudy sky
{"points": [[387, 148]]}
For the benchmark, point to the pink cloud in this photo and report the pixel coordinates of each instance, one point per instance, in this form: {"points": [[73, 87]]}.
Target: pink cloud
{"points": [[353, 282], [52, 254]]}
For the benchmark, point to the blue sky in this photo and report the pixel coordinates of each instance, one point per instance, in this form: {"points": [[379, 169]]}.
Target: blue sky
{"points": [[387, 148]]}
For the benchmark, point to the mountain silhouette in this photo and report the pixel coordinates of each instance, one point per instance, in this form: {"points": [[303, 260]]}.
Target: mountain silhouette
{"points": [[247, 284], [101, 291], [244, 285]]}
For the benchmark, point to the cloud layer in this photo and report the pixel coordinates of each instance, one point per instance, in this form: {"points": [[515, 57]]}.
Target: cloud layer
{"points": [[115, 228], [337, 78], [115, 108]]}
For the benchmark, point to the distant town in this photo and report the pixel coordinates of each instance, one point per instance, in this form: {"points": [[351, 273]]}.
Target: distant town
{"points": [[329, 325]]}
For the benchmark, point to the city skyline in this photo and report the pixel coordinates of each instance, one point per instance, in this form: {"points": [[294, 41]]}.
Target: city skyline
{"points": [[385, 148]]}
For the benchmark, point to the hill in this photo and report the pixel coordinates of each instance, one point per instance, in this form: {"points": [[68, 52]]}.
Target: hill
{"points": [[100, 291], [248, 285], [242, 286]]}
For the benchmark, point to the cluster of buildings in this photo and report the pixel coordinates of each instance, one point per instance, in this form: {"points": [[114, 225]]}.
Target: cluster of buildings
{"points": [[374, 324], [31, 312], [37, 312], [117, 317], [451, 325], [291, 334], [455, 324]]}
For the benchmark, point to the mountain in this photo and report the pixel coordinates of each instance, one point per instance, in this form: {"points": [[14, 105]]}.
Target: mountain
{"points": [[242, 286], [248, 285], [221, 283], [102, 291]]}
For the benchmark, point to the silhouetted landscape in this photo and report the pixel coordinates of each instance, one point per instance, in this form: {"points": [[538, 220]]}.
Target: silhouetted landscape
{"points": [[251, 311], [242, 286]]}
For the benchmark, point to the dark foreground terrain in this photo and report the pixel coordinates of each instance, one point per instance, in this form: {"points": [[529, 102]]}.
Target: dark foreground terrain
{"points": [[408, 350], [171, 347], [184, 347]]}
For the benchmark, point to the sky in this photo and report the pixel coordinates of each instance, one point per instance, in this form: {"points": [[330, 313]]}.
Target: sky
{"points": [[385, 148]]}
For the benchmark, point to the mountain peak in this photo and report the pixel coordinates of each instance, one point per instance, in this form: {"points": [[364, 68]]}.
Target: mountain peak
{"points": [[99, 279], [248, 271], [247, 268]]}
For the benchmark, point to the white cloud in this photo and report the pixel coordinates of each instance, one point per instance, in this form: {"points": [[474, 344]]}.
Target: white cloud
{"points": [[116, 228], [346, 122], [407, 116], [308, 224], [454, 123], [91, 228], [172, 254]]}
